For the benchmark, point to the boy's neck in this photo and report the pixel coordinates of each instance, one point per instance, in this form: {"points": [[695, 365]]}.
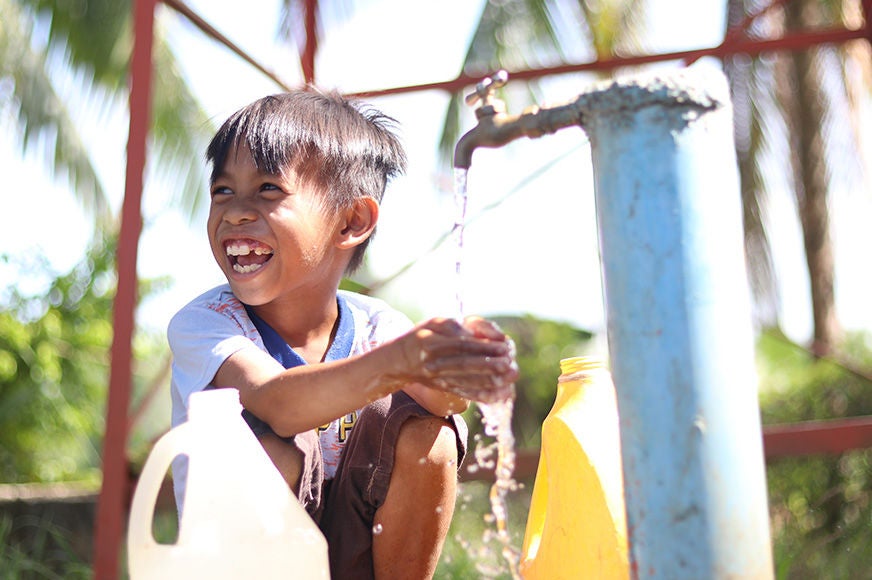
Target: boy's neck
{"points": [[308, 329]]}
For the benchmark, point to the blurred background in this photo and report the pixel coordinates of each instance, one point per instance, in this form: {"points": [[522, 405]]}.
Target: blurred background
{"points": [[530, 255]]}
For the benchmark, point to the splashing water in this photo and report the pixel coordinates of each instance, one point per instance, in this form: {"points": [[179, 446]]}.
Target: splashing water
{"points": [[460, 203], [496, 417]]}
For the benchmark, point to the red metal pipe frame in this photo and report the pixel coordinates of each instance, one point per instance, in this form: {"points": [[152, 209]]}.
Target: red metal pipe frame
{"points": [[310, 46], [792, 41], [114, 491], [830, 437], [817, 437]]}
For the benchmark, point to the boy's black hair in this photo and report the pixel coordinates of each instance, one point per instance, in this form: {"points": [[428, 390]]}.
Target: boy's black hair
{"points": [[342, 146]]}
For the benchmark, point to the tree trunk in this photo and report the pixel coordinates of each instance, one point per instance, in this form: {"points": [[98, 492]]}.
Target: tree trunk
{"points": [[806, 119]]}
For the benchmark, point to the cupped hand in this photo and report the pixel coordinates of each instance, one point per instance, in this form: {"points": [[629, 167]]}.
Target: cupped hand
{"points": [[473, 359]]}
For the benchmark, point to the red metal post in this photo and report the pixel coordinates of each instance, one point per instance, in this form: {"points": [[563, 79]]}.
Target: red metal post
{"points": [[114, 493], [310, 48], [867, 19]]}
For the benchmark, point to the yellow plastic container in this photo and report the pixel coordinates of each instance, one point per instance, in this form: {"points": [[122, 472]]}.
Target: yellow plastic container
{"points": [[240, 519], [576, 527]]}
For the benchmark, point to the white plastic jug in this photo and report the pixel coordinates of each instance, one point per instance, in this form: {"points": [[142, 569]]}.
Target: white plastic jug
{"points": [[240, 518]]}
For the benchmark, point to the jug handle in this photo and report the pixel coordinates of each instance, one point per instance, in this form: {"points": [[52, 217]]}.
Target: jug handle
{"points": [[159, 460]]}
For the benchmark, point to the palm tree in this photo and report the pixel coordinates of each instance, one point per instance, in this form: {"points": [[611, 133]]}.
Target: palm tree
{"points": [[807, 93], [44, 40]]}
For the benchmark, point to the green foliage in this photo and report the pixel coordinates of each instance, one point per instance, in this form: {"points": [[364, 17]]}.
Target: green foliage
{"points": [[48, 554], [54, 357], [472, 549], [95, 32], [820, 506], [53, 360]]}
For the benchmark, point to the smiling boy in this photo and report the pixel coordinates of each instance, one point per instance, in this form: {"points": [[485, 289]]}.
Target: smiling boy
{"points": [[356, 406]]}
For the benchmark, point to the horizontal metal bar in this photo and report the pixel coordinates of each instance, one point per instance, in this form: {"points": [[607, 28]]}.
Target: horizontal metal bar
{"points": [[829, 437], [793, 41], [213, 33]]}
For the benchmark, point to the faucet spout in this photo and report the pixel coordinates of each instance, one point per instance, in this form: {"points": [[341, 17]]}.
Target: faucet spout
{"points": [[496, 128]]}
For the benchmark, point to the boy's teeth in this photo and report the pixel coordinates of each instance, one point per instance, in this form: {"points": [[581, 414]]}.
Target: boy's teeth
{"points": [[246, 269], [245, 249], [238, 250]]}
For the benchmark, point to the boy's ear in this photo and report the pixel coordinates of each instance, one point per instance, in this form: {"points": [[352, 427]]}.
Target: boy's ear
{"points": [[358, 222]]}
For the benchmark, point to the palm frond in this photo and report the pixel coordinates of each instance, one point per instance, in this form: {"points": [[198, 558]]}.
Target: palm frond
{"points": [[515, 34], [95, 34], [41, 115], [180, 131], [91, 42], [614, 26]]}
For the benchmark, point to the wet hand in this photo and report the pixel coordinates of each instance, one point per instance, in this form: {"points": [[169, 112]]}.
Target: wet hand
{"points": [[474, 359]]}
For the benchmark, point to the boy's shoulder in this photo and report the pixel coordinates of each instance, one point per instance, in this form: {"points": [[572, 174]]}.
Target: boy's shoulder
{"points": [[374, 312], [219, 300]]}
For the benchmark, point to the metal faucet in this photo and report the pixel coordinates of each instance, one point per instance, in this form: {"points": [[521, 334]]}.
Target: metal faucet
{"points": [[496, 128]]}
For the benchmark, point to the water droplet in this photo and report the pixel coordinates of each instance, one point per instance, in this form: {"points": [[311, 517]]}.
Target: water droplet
{"points": [[377, 529], [438, 509], [422, 461]]}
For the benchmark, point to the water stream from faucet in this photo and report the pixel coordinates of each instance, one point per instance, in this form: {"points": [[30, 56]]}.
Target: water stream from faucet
{"points": [[496, 417]]}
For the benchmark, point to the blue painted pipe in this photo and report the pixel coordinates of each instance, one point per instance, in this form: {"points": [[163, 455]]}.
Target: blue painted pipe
{"points": [[679, 326]]}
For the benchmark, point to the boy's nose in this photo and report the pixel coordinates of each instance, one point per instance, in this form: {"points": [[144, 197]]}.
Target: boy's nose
{"points": [[239, 212]]}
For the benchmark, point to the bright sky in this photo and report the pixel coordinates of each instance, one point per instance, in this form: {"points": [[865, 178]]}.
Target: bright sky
{"points": [[536, 253]]}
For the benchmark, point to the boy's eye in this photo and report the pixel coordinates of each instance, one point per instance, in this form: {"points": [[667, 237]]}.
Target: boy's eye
{"points": [[271, 190], [220, 191]]}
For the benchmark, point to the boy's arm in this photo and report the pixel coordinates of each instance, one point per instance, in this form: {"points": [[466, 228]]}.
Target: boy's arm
{"points": [[472, 361], [437, 402]]}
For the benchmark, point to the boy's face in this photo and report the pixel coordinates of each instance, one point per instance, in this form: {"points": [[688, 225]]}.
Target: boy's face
{"points": [[270, 234]]}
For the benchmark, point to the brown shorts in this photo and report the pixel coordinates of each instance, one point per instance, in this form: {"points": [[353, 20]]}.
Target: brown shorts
{"points": [[345, 506]]}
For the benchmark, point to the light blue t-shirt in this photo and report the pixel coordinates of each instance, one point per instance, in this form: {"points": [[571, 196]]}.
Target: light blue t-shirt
{"points": [[215, 325]]}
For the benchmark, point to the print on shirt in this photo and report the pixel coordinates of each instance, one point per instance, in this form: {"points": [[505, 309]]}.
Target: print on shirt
{"points": [[332, 437], [346, 424]]}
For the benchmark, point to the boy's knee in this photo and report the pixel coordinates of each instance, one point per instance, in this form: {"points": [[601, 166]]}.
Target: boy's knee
{"points": [[427, 442]]}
